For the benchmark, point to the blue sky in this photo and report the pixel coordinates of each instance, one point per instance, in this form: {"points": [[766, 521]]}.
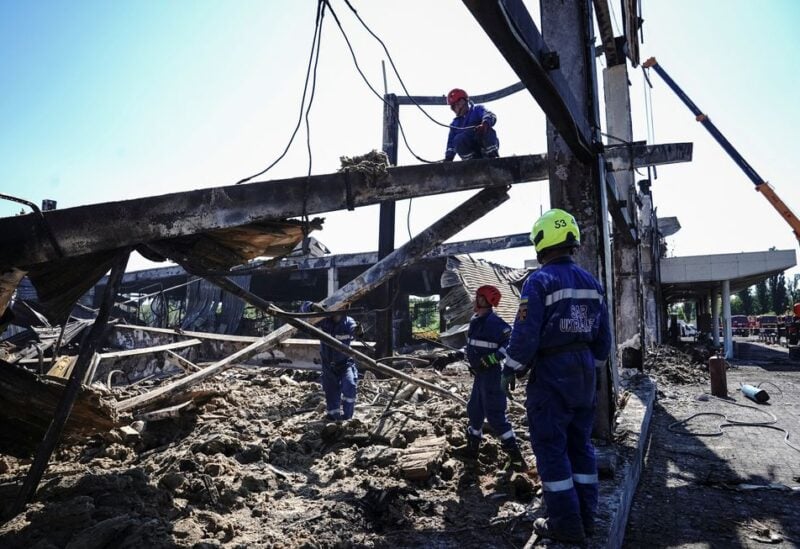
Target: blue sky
{"points": [[105, 101]]}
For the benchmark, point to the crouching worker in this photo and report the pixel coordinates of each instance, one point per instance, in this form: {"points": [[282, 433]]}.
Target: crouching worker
{"points": [[339, 376], [488, 334]]}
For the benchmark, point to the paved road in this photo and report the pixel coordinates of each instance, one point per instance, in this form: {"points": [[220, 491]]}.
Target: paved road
{"points": [[714, 491]]}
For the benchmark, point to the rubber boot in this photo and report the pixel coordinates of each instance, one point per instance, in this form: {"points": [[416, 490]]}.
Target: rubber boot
{"points": [[470, 449], [515, 462], [573, 533]]}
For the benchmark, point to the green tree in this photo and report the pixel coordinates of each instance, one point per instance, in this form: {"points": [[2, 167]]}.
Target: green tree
{"points": [[793, 288], [736, 305], [746, 300], [777, 293], [762, 298]]}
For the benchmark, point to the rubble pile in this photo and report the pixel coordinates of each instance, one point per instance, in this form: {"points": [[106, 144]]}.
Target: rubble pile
{"points": [[675, 365], [256, 465]]}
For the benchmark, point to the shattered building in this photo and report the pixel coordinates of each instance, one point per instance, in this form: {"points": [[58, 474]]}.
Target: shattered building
{"points": [[189, 392]]}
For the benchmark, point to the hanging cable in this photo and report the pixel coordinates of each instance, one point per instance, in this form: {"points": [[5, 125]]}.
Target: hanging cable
{"points": [[372, 89], [304, 216], [314, 47], [394, 68]]}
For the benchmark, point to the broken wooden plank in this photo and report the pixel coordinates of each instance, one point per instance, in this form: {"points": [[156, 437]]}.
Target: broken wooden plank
{"points": [[463, 215], [149, 350], [183, 362], [166, 413], [93, 228], [641, 155], [419, 460], [197, 335]]}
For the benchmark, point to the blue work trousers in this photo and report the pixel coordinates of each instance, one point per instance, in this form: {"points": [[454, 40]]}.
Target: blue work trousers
{"points": [[488, 401], [560, 403], [339, 381], [469, 144]]}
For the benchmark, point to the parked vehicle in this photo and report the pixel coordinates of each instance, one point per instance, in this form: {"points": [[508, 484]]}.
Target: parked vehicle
{"points": [[768, 328], [740, 326]]}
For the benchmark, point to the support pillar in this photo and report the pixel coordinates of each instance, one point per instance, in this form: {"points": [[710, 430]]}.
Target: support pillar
{"points": [[715, 317], [576, 186], [628, 299], [726, 318], [384, 342], [333, 279]]}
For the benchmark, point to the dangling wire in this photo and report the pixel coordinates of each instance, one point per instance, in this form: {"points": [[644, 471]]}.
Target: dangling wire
{"points": [[394, 68], [372, 89], [308, 131], [314, 52]]}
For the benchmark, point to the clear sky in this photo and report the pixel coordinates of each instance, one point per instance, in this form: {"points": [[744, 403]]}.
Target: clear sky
{"points": [[105, 101]]}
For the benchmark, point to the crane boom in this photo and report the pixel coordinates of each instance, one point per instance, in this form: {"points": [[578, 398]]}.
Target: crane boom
{"points": [[761, 186]]}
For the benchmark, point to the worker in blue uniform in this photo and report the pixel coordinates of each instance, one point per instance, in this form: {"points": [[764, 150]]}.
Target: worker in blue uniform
{"points": [[339, 375], [487, 337], [562, 335], [472, 133]]}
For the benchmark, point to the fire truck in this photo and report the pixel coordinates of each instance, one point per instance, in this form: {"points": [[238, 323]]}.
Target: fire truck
{"points": [[768, 328], [740, 325]]}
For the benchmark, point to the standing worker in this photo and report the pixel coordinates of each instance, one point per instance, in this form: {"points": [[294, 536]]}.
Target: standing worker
{"points": [[472, 132], [487, 337], [562, 332], [339, 375]]}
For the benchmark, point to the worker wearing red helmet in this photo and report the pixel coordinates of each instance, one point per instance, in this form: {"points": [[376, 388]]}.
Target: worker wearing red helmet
{"points": [[472, 132], [487, 337]]}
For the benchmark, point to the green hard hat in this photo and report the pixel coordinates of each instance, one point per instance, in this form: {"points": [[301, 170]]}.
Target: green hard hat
{"points": [[555, 229]]}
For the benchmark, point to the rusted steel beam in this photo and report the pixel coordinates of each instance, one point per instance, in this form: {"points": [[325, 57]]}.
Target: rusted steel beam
{"points": [[464, 215], [73, 387], [85, 229]]}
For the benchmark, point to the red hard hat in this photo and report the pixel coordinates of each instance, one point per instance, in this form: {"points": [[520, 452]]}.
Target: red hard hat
{"points": [[490, 294], [796, 309], [455, 95]]}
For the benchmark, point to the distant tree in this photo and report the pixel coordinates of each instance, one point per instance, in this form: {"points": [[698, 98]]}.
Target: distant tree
{"points": [[777, 293], [746, 300], [736, 305], [762, 298], [688, 310], [793, 289]]}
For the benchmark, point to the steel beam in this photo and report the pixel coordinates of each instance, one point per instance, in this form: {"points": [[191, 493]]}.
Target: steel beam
{"points": [[24, 240], [509, 25], [640, 155]]}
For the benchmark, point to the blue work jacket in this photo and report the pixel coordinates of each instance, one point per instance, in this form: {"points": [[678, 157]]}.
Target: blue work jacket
{"points": [[487, 334], [475, 115], [344, 331], [561, 307]]}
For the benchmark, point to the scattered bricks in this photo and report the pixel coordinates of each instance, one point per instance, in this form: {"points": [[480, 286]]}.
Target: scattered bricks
{"points": [[172, 481], [129, 434]]}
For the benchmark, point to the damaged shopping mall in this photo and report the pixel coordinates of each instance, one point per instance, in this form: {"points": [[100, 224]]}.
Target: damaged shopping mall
{"points": [[181, 405]]}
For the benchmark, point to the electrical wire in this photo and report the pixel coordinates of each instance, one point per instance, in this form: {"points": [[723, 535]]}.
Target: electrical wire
{"points": [[728, 422], [394, 68], [371, 88], [314, 43]]}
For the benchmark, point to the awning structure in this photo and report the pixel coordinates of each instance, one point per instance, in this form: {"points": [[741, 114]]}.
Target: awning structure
{"points": [[692, 277], [704, 277]]}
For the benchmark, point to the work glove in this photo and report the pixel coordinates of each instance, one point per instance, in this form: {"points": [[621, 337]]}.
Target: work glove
{"points": [[489, 361], [508, 382], [358, 331], [481, 128]]}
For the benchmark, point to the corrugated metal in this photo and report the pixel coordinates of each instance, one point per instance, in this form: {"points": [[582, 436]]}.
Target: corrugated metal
{"points": [[464, 275]]}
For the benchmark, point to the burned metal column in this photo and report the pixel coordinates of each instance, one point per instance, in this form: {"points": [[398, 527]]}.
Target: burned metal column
{"points": [[628, 301], [384, 341], [575, 185]]}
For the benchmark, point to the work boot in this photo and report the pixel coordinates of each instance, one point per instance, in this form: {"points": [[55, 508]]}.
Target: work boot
{"points": [[470, 449], [515, 462], [572, 534], [588, 527]]}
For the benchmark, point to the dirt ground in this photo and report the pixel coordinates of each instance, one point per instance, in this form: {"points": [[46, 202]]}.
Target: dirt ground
{"points": [[255, 466], [737, 489]]}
